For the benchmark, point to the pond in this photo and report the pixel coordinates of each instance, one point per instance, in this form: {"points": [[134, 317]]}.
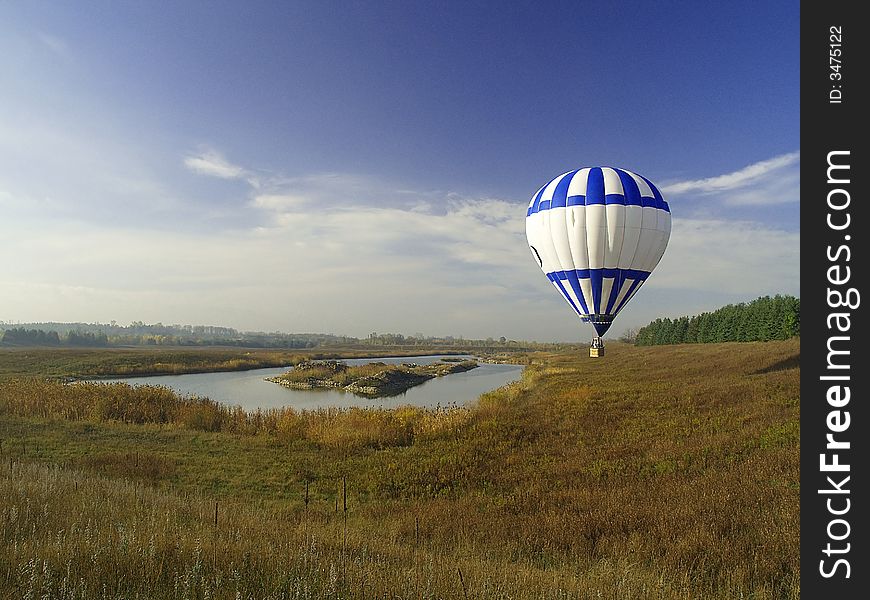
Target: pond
{"points": [[250, 390]]}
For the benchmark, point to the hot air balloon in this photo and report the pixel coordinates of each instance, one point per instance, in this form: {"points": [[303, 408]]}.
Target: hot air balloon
{"points": [[597, 233]]}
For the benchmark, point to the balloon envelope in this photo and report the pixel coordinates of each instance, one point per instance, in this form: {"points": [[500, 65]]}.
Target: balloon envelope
{"points": [[597, 233]]}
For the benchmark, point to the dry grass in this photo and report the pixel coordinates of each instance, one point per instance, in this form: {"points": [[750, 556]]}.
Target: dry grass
{"points": [[663, 472], [157, 405]]}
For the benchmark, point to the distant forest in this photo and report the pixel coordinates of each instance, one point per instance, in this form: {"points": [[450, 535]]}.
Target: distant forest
{"points": [[763, 319], [21, 336], [141, 334], [158, 334]]}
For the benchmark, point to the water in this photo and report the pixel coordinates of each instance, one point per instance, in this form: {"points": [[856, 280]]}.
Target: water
{"points": [[251, 391]]}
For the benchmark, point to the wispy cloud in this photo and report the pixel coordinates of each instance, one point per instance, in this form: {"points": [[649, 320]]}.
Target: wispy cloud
{"points": [[771, 181], [279, 202], [366, 217], [212, 163], [345, 270], [337, 189], [742, 257]]}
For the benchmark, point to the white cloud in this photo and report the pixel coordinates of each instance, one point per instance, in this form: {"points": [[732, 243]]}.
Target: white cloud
{"points": [[730, 256], [351, 254], [351, 270], [210, 162], [279, 202], [760, 175], [783, 188], [465, 230]]}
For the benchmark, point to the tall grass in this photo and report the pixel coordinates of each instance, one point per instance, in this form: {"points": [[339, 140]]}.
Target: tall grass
{"points": [[664, 472], [123, 403], [71, 535]]}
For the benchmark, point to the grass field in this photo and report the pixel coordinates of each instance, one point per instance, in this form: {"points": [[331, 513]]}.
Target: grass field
{"points": [[657, 472]]}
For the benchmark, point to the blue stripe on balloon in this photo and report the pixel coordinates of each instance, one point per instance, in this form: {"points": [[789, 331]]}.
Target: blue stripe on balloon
{"points": [[556, 281], [635, 284], [630, 189], [595, 193], [628, 273], [614, 291], [601, 328], [595, 186], [574, 280], [537, 202], [560, 194], [596, 277], [585, 200], [570, 276], [659, 201]]}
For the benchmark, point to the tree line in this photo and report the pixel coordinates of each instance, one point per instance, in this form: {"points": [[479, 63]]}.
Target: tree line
{"points": [[21, 336], [763, 319], [158, 334], [138, 333]]}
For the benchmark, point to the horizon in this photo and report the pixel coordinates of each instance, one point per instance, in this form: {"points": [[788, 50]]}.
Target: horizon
{"points": [[339, 168], [55, 325]]}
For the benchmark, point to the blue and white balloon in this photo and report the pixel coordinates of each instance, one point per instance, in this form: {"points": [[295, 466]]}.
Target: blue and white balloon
{"points": [[597, 233]]}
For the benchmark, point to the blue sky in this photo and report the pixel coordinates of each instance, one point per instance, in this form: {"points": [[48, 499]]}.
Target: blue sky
{"points": [[353, 167]]}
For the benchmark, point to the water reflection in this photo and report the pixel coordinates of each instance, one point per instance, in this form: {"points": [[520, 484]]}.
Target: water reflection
{"points": [[251, 391]]}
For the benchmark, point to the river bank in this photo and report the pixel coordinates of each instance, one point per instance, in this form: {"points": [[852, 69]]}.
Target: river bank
{"points": [[71, 364]]}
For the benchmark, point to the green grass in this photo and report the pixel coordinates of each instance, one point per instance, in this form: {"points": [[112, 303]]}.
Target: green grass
{"points": [[658, 472]]}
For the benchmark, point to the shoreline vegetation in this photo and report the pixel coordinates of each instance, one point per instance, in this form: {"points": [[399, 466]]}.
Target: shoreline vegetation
{"points": [[372, 380], [637, 477], [73, 364]]}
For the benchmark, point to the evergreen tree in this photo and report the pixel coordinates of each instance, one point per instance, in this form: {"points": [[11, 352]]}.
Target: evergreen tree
{"points": [[762, 319]]}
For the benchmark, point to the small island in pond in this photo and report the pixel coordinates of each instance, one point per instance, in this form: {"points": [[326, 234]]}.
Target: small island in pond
{"points": [[372, 380]]}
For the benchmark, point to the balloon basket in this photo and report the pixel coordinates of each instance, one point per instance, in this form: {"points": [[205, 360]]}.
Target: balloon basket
{"points": [[596, 349]]}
